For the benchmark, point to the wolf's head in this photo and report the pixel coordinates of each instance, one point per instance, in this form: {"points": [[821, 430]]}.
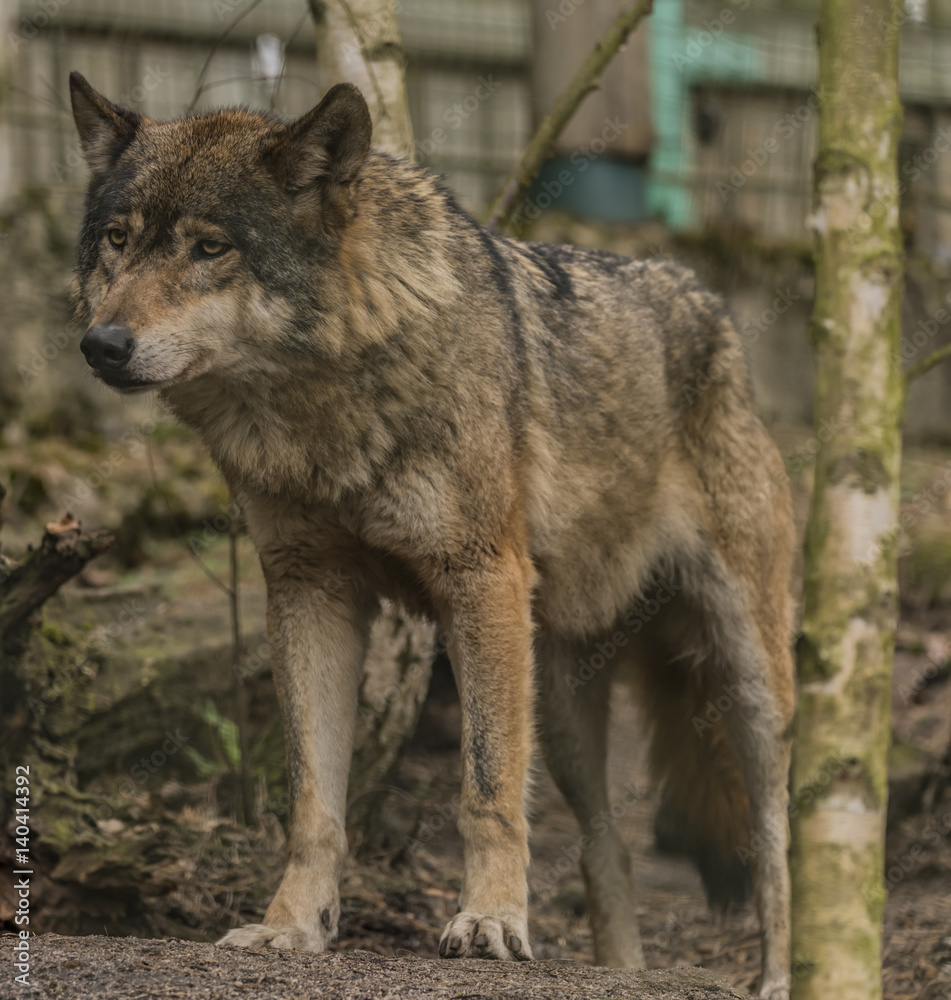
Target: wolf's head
{"points": [[201, 235]]}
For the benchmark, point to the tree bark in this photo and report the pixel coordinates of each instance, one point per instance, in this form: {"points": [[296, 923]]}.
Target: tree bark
{"points": [[358, 41], [394, 686], [847, 642]]}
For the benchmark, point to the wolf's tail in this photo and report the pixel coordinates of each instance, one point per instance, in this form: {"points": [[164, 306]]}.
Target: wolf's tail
{"points": [[704, 811]]}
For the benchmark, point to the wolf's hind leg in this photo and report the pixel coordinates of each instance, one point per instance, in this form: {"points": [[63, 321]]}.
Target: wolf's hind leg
{"points": [[574, 724]]}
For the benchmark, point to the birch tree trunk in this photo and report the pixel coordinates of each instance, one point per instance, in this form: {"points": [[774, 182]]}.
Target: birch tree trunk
{"points": [[358, 41], [846, 648]]}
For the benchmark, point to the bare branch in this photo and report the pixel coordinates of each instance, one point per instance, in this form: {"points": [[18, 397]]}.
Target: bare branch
{"points": [[62, 553], [926, 364], [587, 78], [199, 86]]}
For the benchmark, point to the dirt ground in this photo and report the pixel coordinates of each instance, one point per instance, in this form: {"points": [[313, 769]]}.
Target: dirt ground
{"points": [[103, 968]]}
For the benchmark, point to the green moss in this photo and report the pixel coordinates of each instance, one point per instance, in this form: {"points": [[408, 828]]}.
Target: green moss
{"points": [[54, 634]]}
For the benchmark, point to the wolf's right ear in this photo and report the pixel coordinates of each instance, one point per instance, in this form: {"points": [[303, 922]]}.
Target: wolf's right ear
{"points": [[330, 142], [104, 128]]}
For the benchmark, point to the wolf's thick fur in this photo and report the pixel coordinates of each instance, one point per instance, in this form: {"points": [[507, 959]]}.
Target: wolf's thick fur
{"points": [[496, 434]]}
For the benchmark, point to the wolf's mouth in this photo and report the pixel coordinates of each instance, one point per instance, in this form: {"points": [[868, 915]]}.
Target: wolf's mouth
{"points": [[125, 383]]}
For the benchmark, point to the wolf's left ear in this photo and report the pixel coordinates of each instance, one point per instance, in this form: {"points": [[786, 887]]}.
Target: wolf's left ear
{"points": [[330, 142], [104, 128]]}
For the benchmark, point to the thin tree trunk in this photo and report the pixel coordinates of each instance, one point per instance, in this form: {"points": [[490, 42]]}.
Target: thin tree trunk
{"points": [[358, 41], [845, 653]]}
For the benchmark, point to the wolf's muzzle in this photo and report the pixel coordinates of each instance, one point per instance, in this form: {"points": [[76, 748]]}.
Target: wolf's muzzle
{"points": [[107, 346]]}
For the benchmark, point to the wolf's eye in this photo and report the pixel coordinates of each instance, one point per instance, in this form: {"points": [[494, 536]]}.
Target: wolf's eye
{"points": [[211, 248], [117, 237]]}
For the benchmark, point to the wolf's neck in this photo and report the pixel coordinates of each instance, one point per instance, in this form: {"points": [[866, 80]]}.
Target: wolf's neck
{"points": [[305, 437], [320, 411]]}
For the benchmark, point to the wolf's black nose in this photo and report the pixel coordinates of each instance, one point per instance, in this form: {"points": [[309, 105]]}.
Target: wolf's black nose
{"points": [[107, 346]]}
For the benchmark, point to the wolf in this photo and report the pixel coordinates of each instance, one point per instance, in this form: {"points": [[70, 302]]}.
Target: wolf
{"points": [[552, 452]]}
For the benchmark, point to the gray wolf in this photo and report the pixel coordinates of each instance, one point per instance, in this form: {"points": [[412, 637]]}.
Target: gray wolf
{"points": [[511, 438]]}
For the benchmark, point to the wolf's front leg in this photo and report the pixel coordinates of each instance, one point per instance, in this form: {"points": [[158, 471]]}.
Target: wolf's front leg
{"points": [[491, 653], [317, 636]]}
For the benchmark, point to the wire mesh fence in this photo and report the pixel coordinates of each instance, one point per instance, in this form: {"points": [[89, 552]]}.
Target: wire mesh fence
{"points": [[727, 89]]}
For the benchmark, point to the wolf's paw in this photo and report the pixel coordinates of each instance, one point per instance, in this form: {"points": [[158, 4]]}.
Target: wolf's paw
{"points": [[295, 938], [476, 935]]}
